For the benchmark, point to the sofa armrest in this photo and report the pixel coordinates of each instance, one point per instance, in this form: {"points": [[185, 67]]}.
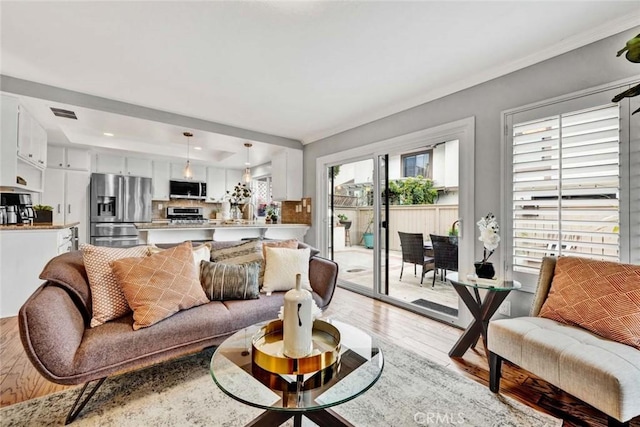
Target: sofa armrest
{"points": [[323, 274], [51, 330], [547, 270]]}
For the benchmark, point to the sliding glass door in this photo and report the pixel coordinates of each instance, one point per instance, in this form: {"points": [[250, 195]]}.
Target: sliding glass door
{"points": [[422, 187]]}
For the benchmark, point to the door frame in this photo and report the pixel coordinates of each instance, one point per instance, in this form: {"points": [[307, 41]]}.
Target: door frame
{"points": [[464, 131]]}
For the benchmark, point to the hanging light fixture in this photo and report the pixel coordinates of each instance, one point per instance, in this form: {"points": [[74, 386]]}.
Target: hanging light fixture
{"points": [[246, 176], [188, 174]]}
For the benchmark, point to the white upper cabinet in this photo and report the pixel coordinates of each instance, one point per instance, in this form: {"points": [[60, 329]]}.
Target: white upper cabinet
{"points": [[234, 176], [110, 163], [216, 184], [199, 171], [160, 180], [32, 139], [22, 156], [68, 158], [286, 175], [120, 165], [136, 166]]}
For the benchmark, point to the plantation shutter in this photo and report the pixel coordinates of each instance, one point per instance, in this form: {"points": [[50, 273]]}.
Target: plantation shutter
{"points": [[566, 183]]}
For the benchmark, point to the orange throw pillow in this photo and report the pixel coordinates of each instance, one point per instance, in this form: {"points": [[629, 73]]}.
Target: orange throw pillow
{"points": [[602, 297], [159, 285]]}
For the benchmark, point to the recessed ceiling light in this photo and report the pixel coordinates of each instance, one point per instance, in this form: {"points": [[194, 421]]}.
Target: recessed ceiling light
{"points": [[197, 148], [107, 134]]}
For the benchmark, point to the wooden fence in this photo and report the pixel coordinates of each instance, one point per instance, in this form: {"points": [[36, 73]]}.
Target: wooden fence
{"points": [[425, 219]]}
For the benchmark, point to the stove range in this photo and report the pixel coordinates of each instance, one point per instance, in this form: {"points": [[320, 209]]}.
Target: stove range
{"points": [[180, 215], [190, 220]]}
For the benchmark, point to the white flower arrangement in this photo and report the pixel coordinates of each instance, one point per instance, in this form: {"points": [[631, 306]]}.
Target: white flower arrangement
{"points": [[489, 229]]}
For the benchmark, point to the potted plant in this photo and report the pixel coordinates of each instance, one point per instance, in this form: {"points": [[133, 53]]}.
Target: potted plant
{"points": [[44, 214], [344, 220]]}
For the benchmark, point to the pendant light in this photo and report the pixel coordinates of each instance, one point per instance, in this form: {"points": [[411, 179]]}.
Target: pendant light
{"points": [[246, 176], [188, 174]]}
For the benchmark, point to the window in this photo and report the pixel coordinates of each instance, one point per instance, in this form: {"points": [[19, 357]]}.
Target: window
{"points": [[566, 187], [417, 164]]}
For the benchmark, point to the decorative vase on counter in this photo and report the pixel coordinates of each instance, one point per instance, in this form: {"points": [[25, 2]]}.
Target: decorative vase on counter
{"points": [[484, 270], [235, 212], [226, 209], [297, 322], [248, 212]]}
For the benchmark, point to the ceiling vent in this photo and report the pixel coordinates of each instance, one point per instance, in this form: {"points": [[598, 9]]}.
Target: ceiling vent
{"points": [[68, 114]]}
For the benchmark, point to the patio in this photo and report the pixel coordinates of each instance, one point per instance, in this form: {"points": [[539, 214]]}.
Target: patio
{"points": [[356, 266]]}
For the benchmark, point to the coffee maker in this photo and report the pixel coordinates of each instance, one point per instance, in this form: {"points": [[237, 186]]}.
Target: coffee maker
{"points": [[21, 204]]}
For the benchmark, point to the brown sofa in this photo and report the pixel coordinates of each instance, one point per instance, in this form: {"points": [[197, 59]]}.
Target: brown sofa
{"points": [[55, 332]]}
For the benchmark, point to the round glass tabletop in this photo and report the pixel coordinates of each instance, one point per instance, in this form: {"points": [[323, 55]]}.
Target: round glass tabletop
{"points": [[360, 365], [493, 284]]}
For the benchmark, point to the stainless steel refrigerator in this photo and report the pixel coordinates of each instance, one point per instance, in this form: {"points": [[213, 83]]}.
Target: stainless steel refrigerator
{"points": [[117, 202]]}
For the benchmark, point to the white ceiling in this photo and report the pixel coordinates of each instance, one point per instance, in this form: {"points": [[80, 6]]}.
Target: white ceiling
{"points": [[302, 70]]}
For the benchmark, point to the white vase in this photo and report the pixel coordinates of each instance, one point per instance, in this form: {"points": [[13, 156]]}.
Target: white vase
{"points": [[226, 209], [297, 322]]}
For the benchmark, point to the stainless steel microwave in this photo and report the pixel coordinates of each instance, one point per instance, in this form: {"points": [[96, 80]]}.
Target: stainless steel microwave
{"points": [[194, 190]]}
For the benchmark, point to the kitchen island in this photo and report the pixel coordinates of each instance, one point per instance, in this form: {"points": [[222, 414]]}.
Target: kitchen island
{"points": [[165, 232], [24, 251]]}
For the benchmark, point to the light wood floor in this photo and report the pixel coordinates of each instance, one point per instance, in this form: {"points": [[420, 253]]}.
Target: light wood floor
{"points": [[19, 381]]}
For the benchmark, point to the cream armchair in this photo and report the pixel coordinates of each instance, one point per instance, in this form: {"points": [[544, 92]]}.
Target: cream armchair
{"points": [[603, 373]]}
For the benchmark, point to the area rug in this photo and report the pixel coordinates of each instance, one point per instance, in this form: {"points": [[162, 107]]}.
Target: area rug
{"points": [[412, 391]]}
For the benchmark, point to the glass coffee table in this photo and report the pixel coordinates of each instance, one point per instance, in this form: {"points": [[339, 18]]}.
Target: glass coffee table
{"points": [[311, 395]]}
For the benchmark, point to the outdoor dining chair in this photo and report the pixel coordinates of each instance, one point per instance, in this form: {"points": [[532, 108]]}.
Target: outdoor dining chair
{"points": [[445, 253], [413, 252]]}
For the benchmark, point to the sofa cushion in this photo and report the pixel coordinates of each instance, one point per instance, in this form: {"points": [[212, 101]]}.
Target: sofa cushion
{"points": [[159, 285], [574, 360], [602, 297], [108, 301], [282, 266], [222, 282]]}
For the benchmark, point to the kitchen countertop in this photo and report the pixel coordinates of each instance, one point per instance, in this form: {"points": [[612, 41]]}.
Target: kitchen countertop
{"points": [[38, 226], [164, 225]]}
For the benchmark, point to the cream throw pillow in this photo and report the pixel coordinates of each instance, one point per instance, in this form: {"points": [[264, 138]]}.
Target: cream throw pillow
{"points": [[282, 265], [107, 299]]}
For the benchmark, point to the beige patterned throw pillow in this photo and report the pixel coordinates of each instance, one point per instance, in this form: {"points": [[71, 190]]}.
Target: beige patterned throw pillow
{"points": [[244, 253], [107, 298], [159, 285]]}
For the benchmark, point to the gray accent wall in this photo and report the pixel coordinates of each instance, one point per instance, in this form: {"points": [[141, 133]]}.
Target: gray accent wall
{"points": [[589, 66]]}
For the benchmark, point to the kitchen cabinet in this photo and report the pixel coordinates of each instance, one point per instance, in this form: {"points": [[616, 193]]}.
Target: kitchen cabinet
{"points": [[216, 183], [161, 174], [14, 154], [19, 269], [68, 158], [286, 175], [110, 163], [234, 176], [121, 165], [32, 139], [199, 172], [136, 166], [67, 192]]}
